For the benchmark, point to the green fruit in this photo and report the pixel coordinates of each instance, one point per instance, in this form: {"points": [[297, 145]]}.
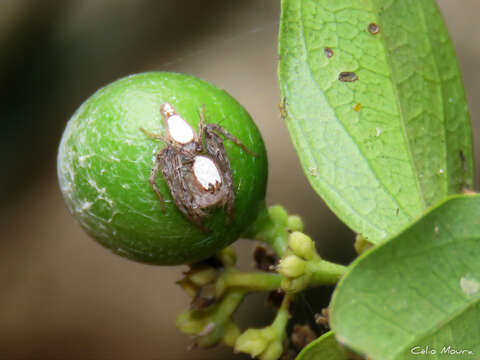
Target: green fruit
{"points": [[104, 162]]}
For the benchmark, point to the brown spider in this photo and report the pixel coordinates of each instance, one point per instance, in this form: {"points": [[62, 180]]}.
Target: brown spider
{"points": [[195, 166]]}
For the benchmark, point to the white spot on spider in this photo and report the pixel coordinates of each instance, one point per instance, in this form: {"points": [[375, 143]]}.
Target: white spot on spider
{"points": [[206, 172], [441, 171], [179, 129]]}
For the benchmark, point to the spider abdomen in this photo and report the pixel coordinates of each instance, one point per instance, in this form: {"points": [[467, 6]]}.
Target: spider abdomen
{"points": [[207, 173]]}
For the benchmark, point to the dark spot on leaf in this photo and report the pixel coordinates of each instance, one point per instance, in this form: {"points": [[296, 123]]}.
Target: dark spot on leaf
{"points": [[463, 160], [328, 52], [347, 76], [397, 211], [373, 28], [357, 107]]}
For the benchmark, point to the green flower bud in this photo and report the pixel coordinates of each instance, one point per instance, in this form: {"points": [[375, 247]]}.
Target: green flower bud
{"points": [[273, 351], [252, 342], [227, 256], [295, 223], [188, 286], [266, 343], [302, 245], [361, 244], [291, 266], [190, 323], [278, 214], [201, 275], [231, 334]]}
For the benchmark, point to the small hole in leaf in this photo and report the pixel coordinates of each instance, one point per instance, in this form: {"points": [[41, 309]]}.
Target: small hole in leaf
{"points": [[328, 52], [347, 76], [373, 28]]}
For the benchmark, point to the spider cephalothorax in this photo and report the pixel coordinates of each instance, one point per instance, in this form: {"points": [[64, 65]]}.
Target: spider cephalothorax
{"points": [[195, 166]]}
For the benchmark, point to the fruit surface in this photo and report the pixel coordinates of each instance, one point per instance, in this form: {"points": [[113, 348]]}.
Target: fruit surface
{"points": [[104, 162]]}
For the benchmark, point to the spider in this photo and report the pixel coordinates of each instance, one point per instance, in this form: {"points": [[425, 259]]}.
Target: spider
{"points": [[195, 166]]}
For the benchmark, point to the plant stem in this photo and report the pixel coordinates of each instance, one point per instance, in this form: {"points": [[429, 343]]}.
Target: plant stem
{"points": [[325, 273], [221, 318], [248, 281], [283, 314], [229, 304]]}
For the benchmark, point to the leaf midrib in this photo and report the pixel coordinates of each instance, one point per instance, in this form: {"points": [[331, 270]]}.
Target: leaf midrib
{"points": [[442, 98], [400, 108]]}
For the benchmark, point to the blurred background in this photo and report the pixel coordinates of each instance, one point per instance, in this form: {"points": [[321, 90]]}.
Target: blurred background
{"points": [[65, 297]]}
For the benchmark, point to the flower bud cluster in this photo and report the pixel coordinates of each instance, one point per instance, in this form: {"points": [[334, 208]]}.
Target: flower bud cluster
{"points": [[295, 266], [266, 344], [209, 316]]}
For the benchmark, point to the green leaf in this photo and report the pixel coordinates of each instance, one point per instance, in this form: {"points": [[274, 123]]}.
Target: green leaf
{"points": [[421, 288], [374, 103], [325, 347]]}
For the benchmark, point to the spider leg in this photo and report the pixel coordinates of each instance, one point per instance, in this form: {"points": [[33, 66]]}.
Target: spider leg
{"points": [[230, 206], [196, 218], [189, 205], [217, 128], [214, 147], [201, 124], [186, 206], [153, 136], [153, 175]]}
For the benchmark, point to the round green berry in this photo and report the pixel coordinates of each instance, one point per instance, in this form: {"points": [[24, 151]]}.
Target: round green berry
{"points": [[105, 161]]}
